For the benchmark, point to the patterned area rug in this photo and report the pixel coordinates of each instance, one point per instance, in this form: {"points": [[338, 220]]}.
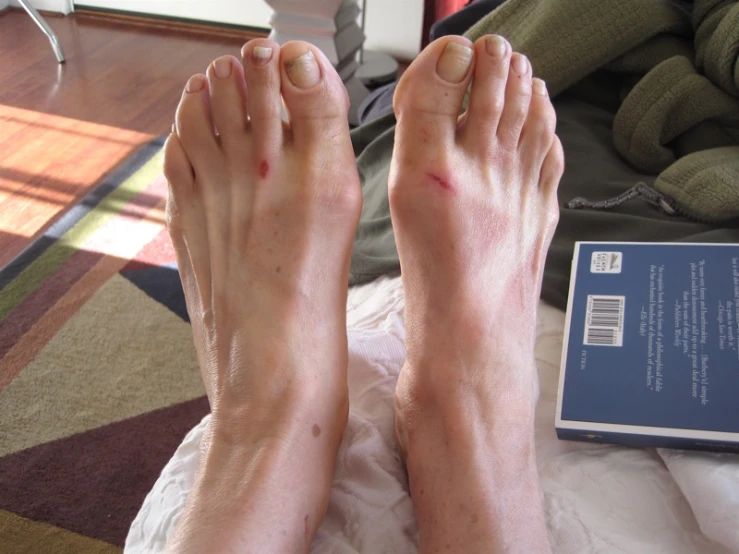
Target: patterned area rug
{"points": [[98, 377]]}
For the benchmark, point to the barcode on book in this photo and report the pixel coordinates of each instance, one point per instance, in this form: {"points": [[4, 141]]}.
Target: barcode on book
{"points": [[604, 321]]}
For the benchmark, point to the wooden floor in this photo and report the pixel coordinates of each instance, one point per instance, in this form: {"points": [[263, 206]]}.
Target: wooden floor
{"points": [[64, 127]]}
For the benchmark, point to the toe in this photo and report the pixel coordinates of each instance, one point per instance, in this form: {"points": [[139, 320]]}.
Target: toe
{"points": [[316, 100], [186, 221], [517, 97], [194, 124], [552, 168], [177, 167], [429, 96], [538, 130], [261, 60], [228, 101], [487, 96]]}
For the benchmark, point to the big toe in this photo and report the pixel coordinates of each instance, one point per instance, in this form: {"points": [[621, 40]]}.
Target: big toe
{"points": [[430, 94], [315, 98]]}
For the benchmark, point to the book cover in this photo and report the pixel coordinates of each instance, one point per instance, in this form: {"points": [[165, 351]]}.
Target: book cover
{"points": [[650, 354]]}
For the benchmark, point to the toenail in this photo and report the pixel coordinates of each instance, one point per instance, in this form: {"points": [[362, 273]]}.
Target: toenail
{"points": [[496, 46], [520, 64], [222, 67], [261, 54], [454, 62], [195, 84], [303, 71], [539, 87]]}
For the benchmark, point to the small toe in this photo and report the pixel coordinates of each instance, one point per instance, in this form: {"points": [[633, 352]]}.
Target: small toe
{"points": [[228, 101], [552, 168], [487, 95], [430, 94], [177, 167], [194, 124], [186, 220], [261, 59], [538, 130], [315, 98], [517, 98]]}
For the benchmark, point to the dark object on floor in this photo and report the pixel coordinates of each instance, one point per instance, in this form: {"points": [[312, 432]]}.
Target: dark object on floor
{"points": [[458, 23]]}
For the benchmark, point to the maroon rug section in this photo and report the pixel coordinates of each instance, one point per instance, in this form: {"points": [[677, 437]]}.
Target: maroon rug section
{"points": [[94, 483]]}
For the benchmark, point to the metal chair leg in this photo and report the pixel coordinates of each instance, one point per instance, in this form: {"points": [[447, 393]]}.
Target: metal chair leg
{"points": [[48, 31]]}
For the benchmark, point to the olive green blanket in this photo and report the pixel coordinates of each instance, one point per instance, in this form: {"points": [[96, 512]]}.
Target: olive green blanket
{"points": [[673, 69]]}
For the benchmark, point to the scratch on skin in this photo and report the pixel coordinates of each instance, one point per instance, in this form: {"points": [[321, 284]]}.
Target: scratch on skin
{"points": [[446, 185], [263, 169]]}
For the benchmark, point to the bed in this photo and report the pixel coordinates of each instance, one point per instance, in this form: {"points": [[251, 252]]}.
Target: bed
{"points": [[597, 498]]}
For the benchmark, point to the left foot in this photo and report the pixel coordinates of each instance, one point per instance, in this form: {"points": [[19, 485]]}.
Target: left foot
{"points": [[262, 216], [474, 206]]}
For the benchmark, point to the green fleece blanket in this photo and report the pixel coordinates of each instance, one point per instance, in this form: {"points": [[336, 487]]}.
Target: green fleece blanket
{"points": [[677, 87]]}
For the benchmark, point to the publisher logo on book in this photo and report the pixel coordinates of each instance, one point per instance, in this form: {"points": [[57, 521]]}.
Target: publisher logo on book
{"points": [[606, 262]]}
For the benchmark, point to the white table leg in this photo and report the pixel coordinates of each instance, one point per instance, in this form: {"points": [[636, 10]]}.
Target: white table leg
{"points": [[331, 25]]}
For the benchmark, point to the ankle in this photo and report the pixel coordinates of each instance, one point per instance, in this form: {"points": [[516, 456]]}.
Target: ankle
{"points": [[468, 384], [453, 416]]}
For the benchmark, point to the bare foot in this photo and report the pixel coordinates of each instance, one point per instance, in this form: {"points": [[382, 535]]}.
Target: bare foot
{"points": [[263, 216], [474, 207]]}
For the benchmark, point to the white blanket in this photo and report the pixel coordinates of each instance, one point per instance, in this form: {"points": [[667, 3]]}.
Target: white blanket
{"points": [[597, 498]]}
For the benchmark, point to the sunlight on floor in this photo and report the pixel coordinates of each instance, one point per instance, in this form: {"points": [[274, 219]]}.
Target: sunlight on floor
{"points": [[48, 163]]}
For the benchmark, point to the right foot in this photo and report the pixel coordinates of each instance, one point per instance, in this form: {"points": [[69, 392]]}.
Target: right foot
{"points": [[262, 216], [474, 207]]}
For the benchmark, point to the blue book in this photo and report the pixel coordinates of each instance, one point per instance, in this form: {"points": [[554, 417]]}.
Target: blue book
{"points": [[650, 354]]}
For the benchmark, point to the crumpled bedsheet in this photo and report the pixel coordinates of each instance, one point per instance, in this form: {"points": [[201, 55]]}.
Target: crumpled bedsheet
{"points": [[598, 498]]}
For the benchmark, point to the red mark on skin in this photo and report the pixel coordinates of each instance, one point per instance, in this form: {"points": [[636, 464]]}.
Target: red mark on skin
{"points": [[307, 531], [316, 430], [446, 185], [263, 169]]}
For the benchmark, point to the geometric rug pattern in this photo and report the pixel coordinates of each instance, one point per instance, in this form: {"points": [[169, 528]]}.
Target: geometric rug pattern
{"points": [[98, 377]]}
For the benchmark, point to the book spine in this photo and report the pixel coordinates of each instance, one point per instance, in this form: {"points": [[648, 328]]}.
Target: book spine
{"points": [[646, 441]]}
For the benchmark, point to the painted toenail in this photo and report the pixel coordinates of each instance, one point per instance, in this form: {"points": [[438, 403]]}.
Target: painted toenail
{"points": [[261, 54], [222, 67], [195, 84], [454, 62], [539, 87], [520, 64], [496, 46], [303, 71]]}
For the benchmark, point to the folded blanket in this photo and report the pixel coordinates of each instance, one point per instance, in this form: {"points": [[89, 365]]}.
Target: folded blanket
{"points": [[598, 499], [678, 68]]}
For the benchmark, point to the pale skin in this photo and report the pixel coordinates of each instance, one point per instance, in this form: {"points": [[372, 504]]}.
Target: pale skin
{"points": [[263, 216]]}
